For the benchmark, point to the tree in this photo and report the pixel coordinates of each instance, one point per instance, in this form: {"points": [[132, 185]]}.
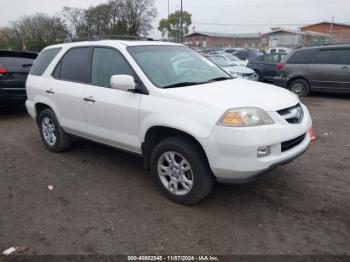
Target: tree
{"points": [[76, 22], [132, 17], [33, 32], [172, 26], [139, 16]]}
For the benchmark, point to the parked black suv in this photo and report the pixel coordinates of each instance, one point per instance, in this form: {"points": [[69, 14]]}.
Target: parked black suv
{"points": [[325, 69], [14, 69]]}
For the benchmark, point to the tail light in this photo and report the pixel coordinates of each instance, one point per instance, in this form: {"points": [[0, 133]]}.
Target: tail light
{"points": [[280, 66], [3, 71]]}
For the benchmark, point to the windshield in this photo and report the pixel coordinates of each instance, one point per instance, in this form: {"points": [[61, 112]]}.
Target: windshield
{"points": [[166, 66], [220, 61], [232, 57]]}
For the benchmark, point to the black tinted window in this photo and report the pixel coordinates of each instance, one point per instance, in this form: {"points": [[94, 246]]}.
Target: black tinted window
{"points": [[242, 55], [16, 61], [273, 58], [73, 66], [43, 61], [335, 57], [301, 57], [107, 62]]}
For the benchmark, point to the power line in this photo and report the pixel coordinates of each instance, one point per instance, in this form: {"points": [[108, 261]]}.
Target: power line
{"points": [[258, 24]]}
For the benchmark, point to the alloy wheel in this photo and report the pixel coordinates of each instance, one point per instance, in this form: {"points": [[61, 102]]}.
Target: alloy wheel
{"points": [[175, 173], [49, 131]]}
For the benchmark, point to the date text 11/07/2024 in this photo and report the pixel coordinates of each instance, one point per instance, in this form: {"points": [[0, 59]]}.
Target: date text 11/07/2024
{"points": [[173, 258]]}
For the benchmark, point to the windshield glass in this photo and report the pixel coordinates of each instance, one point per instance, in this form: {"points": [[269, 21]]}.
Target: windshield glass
{"points": [[169, 65], [220, 61], [233, 58]]}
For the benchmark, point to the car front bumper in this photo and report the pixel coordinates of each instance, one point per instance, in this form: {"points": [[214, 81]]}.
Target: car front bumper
{"points": [[232, 152]]}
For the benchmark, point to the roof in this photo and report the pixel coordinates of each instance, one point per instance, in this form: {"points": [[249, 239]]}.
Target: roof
{"points": [[18, 53], [114, 42], [326, 22], [326, 46], [297, 32], [223, 35]]}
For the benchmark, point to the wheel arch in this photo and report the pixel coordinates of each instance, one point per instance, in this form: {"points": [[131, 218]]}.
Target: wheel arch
{"points": [[158, 133], [292, 79]]}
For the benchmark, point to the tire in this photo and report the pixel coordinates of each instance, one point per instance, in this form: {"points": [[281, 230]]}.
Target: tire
{"points": [[199, 175], [261, 78], [300, 87], [52, 134]]}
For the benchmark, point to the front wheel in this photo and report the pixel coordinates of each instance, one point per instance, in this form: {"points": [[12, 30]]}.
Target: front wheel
{"points": [[181, 170], [300, 87]]}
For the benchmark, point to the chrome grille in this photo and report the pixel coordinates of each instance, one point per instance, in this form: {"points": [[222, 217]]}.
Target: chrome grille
{"points": [[293, 115]]}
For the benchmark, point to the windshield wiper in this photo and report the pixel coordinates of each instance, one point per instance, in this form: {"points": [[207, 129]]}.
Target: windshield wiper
{"points": [[222, 78], [182, 84]]}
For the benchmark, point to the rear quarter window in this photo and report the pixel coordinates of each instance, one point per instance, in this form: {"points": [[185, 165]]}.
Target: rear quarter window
{"points": [[43, 61], [333, 57], [301, 56]]}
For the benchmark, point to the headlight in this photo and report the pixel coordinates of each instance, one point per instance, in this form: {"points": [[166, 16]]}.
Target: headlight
{"points": [[249, 116]]}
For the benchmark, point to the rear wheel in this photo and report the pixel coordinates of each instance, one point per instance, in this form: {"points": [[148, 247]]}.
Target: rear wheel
{"points": [[181, 170], [52, 134], [300, 87]]}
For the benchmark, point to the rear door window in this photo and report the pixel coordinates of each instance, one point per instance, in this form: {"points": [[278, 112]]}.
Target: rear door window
{"points": [[43, 61], [333, 57], [273, 58], [301, 57], [74, 65]]}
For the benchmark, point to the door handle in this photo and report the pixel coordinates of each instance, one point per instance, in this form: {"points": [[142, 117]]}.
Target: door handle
{"points": [[89, 99], [50, 91]]}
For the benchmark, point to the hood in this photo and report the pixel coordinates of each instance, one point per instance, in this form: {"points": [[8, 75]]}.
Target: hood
{"points": [[236, 93], [239, 69], [239, 63]]}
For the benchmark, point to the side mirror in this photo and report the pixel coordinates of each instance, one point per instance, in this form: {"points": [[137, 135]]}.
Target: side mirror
{"points": [[123, 82]]}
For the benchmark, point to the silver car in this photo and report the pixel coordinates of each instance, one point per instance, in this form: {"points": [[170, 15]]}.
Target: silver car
{"points": [[233, 69]]}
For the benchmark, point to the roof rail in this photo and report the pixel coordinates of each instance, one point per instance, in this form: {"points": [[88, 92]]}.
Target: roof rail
{"points": [[110, 37]]}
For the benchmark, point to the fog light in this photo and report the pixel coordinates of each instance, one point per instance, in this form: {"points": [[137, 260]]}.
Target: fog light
{"points": [[264, 151]]}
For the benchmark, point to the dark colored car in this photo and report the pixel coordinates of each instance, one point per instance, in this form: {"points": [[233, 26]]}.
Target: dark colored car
{"points": [[247, 53], [325, 69], [266, 65], [14, 69]]}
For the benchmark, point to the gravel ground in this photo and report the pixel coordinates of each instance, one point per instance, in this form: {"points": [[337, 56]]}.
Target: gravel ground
{"points": [[102, 202]]}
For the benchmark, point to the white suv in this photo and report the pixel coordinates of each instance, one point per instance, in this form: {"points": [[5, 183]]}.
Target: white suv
{"points": [[189, 120]]}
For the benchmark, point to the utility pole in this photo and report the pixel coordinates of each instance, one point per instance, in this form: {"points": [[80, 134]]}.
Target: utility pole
{"points": [[332, 24], [181, 25], [168, 8], [331, 32]]}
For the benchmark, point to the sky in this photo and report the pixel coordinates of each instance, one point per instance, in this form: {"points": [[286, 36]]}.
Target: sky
{"points": [[223, 16]]}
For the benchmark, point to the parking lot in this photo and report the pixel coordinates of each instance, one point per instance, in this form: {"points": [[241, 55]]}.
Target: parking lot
{"points": [[102, 202]]}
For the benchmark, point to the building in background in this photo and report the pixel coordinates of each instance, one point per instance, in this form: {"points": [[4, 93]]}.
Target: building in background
{"points": [[219, 40], [338, 33], [293, 38], [310, 35]]}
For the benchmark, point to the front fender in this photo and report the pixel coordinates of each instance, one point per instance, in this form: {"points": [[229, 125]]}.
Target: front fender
{"points": [[188, 126]]}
